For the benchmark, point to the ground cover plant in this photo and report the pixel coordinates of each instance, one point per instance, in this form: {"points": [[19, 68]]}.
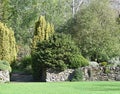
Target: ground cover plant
{"points": [[61, 88]]}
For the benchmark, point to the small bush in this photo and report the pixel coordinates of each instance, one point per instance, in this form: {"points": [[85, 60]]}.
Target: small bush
{"points": [[104, 63], [107, 70], [4, 65], [78, 60], [23, 65], [78, 76], [26, 61], [26, 64]]}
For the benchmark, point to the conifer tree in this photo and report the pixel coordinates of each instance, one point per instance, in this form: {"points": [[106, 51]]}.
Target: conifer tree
{"points": [[7, 44], [43, 30]]}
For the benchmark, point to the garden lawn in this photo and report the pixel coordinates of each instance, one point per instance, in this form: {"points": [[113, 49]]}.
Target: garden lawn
{"points": [[61, 88]]}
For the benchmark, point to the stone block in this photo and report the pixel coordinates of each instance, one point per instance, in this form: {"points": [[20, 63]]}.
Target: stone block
{"points": [[4, 76]]}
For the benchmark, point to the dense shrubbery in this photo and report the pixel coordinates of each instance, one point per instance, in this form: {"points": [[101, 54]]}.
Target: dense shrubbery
{"points": [[7, 44], [22, 65], [59, 52], [4, 65], [50, 50], [103, 63], [77, 60], [25, 64]]}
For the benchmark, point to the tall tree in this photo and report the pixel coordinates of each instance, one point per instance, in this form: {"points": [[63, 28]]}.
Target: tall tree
{"points": [[43, 30], [8, 49], [96, 31]]}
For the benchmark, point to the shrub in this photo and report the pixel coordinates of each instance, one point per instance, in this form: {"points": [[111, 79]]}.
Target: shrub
{"points": [[4, 65], [23, 65], [78, 60], [26, 64], [26, 61], [59, 53], [43, 31], [7, 44], [78, 76], [50, 50], [107, 70], [104, 63]]}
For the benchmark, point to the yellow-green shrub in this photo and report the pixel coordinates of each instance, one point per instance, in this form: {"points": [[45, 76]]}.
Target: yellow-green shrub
{"points": [[103, 63], [43, 30], [7, 44]]}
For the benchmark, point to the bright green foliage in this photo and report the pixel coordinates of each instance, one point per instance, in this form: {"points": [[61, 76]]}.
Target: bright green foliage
{"points": [[104, 63], [7, 44], [20, 14], [4, 65], [55, 11], [59, 53], [96, 32], [77, 60]]}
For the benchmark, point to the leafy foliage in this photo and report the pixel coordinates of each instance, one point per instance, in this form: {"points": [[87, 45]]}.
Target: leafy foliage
{"points": [[78, 76], [103, 63], [23, 65], [59, 52], [19, 14], [95, 30], [4, 65], [7, 44]]}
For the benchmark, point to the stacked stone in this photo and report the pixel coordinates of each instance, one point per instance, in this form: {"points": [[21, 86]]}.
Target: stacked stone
{"points": [[4, 76]]}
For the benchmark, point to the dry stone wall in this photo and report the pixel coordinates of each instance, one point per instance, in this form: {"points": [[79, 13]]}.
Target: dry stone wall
{"points": [[101, 73], [55, 76], [4, 76], [89, 74]]}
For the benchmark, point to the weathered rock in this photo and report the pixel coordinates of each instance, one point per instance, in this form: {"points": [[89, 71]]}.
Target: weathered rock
{"points": [[93, 64], [89, 74], [53, 76], [4, 76], [117, 78]]}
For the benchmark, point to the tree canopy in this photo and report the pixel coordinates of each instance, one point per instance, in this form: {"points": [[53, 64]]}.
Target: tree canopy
{"points": [[95, 30]]}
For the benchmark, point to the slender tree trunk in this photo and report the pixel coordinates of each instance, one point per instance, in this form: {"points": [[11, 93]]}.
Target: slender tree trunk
{"points": [[73, 8], [76, 7]]}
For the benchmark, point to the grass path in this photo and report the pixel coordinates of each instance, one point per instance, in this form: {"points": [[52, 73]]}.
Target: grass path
{"points": [[61, 88]]}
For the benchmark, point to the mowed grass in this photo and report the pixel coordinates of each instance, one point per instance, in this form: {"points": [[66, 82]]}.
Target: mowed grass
{"points": [[61, 88]]}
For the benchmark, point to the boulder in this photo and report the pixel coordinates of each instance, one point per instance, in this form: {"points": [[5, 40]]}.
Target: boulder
{"points": [[4, 76], [117, 78], [93, 64]]}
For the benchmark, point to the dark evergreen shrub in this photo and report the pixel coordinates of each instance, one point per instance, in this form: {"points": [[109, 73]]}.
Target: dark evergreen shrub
{"points": [[59, 53], [25, 64], [78, 76]]}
